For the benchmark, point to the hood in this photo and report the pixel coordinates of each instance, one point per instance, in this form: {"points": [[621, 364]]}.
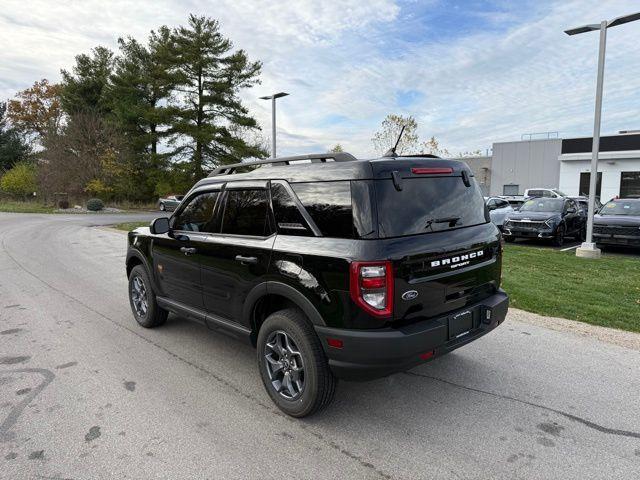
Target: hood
{"points": [[617, 220], [534, 216]]}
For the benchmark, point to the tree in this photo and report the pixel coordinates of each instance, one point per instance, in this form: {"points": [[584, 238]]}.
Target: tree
{"points": [[84, 89], [209, 78], [388, 134], [141, 86], [88, 155], [432, 147], [37, 110], [337, 148], [20, 180], [13, 148]]}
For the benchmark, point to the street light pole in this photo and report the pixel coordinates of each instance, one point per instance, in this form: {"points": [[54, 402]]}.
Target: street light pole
{"points": [[273, 119], [588, 248]]}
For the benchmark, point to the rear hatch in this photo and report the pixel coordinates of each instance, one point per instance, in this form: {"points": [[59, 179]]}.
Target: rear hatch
{"points": [[434, 226]]}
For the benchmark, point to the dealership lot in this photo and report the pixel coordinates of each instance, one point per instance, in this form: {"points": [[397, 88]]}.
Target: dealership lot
{"points": [[85, 393]]}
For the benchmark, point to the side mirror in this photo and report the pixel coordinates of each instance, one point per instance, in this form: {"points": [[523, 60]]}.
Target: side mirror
{"points": [[159, 226]]}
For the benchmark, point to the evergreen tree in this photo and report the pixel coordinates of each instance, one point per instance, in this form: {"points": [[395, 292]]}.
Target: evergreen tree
{"points": [[83, 90], [209, 78], [13, 148]]}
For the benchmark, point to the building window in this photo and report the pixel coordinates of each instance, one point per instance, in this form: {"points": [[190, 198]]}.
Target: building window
{"points": [[511, 189], [585, 178], [630, 185]]}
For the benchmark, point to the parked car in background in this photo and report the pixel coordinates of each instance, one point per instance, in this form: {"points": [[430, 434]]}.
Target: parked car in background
{"points": [[583, 204], [498, 208], [543, 192], [618, 223], [515, 201], [546, 218], [170, 202]]}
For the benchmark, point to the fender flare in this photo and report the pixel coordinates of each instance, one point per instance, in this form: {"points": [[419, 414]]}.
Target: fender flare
{"points": [[139, 256], [286, 291]]}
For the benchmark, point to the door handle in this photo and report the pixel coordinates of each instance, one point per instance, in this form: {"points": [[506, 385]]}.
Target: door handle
{"points": [[188, 250], [246, 260]]}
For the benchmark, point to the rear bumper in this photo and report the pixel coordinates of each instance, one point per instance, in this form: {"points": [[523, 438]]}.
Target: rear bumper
{"points": [[370, 354]]}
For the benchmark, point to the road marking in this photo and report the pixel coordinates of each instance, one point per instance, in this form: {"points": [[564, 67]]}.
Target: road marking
{"points": [[569, 248]]}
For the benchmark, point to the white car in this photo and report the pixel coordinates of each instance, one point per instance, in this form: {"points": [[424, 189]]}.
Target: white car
{"points": [[499, 208], [543, 192]]}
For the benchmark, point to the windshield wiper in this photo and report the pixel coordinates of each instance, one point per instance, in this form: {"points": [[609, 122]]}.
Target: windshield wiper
{"points": [[450, 220]]}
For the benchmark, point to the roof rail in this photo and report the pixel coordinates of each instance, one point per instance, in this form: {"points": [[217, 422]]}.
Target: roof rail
{"points": [[314, 157]]}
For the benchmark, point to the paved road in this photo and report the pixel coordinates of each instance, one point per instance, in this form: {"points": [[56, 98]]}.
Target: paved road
{"points": [[87, 394]]}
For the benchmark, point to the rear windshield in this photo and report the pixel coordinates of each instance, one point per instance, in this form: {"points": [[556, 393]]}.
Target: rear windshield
{"points": [[427, 205]]}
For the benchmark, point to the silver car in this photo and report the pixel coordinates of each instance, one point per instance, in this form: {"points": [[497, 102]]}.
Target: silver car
{"points": [[499, 208]]}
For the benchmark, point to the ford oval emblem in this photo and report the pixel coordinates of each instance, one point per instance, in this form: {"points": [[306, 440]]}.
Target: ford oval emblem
{"points": [[409, 295]]}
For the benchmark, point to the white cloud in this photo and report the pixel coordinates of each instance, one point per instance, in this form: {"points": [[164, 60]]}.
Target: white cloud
{"points": [[344, 69]]}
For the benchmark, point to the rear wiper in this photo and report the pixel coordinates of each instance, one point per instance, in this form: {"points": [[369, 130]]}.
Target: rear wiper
{"points": [[450, 220]]}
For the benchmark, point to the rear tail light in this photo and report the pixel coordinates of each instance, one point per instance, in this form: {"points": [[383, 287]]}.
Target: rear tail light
{"points": [[371, 286], [432, 171]]}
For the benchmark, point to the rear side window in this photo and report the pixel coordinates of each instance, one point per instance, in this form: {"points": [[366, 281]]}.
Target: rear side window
{"points": [[246, 213], [288, 218], [329, 205], [426, 205], [197, 214]]}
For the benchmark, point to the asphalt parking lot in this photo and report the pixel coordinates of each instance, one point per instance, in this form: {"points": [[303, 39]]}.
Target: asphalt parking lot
{"points": [[87, 394]]}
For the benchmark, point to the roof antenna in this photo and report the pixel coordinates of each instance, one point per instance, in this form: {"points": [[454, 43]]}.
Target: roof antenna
{"points": [[392, 151]]}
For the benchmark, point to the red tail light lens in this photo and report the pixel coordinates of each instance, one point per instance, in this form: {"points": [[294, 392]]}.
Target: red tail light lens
{"points": [[371, 287], [432, 171]]}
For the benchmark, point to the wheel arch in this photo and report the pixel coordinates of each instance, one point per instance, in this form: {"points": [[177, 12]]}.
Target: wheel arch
{"points": [[269, 297]]}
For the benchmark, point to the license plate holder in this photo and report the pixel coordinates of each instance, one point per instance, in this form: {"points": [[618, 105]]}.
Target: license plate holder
{"points": [[460, 323]]}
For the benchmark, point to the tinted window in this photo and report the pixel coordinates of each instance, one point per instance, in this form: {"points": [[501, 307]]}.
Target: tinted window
{"points": [[543, 205], [502, 203], [246, 213], [288, 218], [198, 213], [427, 205], [630, 184], [329, 205]]}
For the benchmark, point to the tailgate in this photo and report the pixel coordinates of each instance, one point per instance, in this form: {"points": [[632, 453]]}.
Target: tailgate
{"points": [[436, 278]]}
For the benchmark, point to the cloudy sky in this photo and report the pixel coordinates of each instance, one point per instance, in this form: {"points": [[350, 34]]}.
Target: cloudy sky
{"points": [[471, 72]]}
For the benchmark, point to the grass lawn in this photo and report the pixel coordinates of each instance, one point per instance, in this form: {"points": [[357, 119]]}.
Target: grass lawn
{"points": [[601, 292], [24, 207], [128, 226]]}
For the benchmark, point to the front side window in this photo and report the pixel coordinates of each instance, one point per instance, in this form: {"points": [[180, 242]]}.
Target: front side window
{"points": [[197, 215], [289, 220], [246, 213], [329, 205]]}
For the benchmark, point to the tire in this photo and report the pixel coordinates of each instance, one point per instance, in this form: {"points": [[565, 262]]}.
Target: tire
{"points": [[558, 239], [317, 385], [582, 236], [162, 207], [152, 315]]}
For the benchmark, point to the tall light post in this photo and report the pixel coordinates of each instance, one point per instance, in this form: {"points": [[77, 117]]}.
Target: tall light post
{"points": [[273, 119], [588, 248]]}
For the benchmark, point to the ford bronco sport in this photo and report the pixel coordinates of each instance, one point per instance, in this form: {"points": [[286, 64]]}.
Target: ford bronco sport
{"points": [[332, 267]]}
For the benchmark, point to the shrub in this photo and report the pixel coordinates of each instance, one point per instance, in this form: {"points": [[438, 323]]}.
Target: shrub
{"points": [[20, 180], [95, 204], [64, 204]]}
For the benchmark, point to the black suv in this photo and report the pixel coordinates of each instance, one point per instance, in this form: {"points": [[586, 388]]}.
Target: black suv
{"points": [[546, 218], [332, 267], [618, 223]]}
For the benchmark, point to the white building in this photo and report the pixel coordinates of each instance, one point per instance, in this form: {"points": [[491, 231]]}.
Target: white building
{"points": [[564, 164], [618, 166]]}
